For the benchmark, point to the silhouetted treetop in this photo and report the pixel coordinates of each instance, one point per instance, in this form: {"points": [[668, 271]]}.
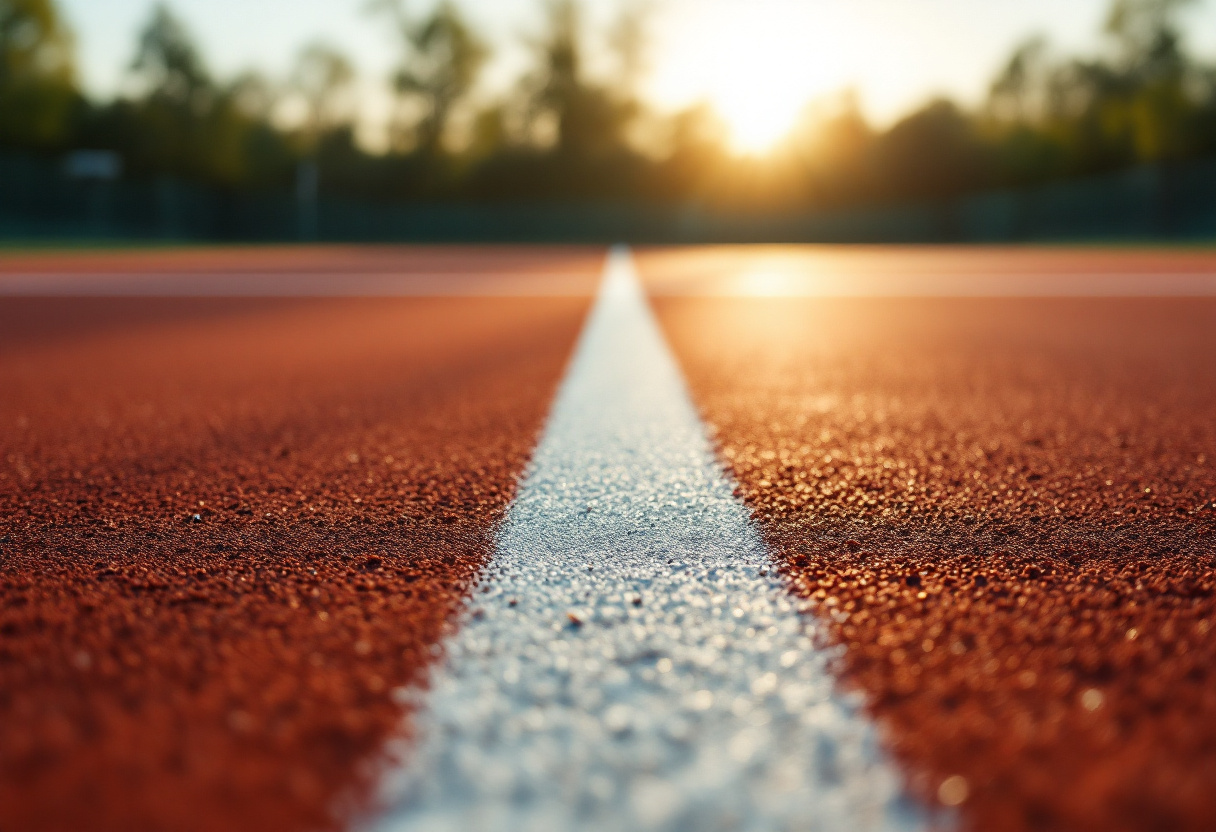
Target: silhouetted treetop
{"points": [[441, 61], [37, 77], [575, 129], [168, 63]]}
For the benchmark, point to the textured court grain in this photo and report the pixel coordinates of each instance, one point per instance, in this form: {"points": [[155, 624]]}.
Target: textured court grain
{"points": [[228, 533], [630, 659], [234, 533], [1005, 511], [295, 272]]}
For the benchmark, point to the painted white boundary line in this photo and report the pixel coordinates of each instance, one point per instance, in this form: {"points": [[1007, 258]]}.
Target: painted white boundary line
{"points": [[631, 660]]}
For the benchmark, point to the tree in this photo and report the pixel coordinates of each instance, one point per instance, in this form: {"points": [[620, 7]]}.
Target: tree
{"points": [[441, 63], [323, 77], [590, 119], [1016, 93], [1156, 112], [168, 63], [932, 153], [1145, 100], [34, 42], [1147, 34], [183, 123], [252, 94], [37, 78], [696, 149], [629, 39], [835, 144]]}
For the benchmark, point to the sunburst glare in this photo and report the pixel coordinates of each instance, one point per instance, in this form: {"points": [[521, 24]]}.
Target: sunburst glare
{"points": [[758, 69]]}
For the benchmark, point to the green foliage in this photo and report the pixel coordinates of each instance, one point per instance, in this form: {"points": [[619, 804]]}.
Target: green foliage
{"points": [[187, 125], [169, 64], [34, 42], [37, 83], [933, 153], [323, 76], [567, 133], [1148, 101], [1148, 35], [442, 59], [589, 119]]}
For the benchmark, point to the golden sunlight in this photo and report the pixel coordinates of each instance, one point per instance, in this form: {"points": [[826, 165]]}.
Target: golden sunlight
{"points": [[757, 69]]}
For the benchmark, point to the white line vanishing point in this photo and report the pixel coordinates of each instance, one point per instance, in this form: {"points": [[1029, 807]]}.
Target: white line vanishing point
{"points": [[630, 659]]}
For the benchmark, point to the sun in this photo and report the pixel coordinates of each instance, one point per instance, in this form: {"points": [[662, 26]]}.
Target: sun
{"points": [[757, 110], [757, 64]]}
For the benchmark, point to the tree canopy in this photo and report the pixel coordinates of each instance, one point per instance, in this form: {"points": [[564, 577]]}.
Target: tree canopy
{"points": [[37, 74], [568, 132]]}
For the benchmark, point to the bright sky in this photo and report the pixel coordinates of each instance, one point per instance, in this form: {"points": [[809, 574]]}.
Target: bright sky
{"points": [[896, 53]]}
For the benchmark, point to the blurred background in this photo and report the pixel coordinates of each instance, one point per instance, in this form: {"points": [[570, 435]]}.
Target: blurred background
{"points": [[667, 120]]}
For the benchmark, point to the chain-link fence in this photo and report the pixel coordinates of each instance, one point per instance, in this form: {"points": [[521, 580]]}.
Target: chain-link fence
{"points": [[42, 201]]}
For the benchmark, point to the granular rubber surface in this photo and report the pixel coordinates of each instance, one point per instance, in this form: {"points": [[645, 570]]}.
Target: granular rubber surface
{"points": [[229, 530], [677, 266], [337, 259], [1005, 509]]}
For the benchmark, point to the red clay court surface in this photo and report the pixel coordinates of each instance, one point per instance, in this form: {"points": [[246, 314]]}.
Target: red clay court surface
{"points": [[230, 528], [229, 533]]}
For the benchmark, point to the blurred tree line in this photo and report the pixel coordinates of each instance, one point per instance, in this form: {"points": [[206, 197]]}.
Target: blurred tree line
{"points": [[562, 133]]}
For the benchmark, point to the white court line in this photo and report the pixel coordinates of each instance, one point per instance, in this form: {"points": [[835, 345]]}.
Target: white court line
{"points": [[631, 659]]}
